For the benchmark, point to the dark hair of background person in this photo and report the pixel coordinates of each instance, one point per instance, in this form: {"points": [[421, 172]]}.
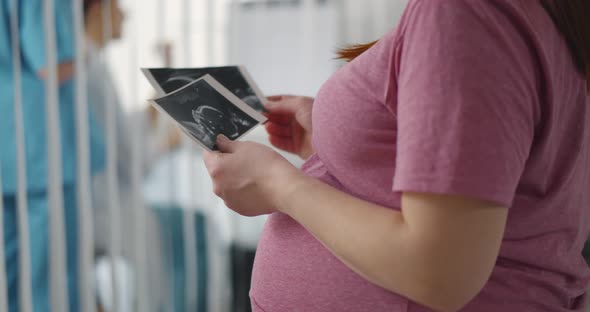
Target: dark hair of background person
{"points": [[570, 16], [89, 3]]}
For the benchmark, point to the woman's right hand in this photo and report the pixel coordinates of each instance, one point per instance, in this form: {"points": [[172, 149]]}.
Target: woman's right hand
{"points": [[289, 123]]}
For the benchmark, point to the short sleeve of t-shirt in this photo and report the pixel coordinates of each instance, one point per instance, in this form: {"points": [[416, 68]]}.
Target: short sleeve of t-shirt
{"points": [[32, 32], [467, 102]]}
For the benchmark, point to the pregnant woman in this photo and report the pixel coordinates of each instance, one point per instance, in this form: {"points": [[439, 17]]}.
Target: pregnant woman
{"points": [[448, 168]]}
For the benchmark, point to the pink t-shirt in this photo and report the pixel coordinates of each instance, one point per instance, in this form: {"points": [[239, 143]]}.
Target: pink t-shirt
{"points": [[474, 98]]}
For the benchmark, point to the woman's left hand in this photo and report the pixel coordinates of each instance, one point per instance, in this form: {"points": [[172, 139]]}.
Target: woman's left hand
{"points": [[251, 178]]}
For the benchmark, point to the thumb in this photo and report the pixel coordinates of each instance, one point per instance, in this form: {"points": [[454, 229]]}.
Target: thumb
{"points": [[225, 145]]}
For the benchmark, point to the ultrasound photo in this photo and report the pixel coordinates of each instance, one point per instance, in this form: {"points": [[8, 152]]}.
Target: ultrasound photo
{"points": [[234, 78], [205, 109]]}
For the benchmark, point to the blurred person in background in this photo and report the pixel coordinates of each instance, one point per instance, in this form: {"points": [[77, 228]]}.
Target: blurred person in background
{"points": [[101, 88], [447, 168], [31, 37]]}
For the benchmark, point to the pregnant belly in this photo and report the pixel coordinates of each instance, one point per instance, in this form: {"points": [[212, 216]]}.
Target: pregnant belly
{"points": [[294, 272]]}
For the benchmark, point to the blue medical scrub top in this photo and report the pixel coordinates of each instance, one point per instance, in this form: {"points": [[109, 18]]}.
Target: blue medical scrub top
{"points": [[32, 41]]}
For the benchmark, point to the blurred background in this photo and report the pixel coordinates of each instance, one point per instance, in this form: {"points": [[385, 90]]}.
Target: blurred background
{"points": [[152, 236]]}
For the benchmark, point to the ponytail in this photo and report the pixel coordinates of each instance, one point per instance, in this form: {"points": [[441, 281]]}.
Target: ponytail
{"points": [[350, 53]]}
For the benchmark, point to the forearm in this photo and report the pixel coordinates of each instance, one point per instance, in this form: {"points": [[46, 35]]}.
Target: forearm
{"points": [[368, 238], [379, 244], [65, 72]]}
